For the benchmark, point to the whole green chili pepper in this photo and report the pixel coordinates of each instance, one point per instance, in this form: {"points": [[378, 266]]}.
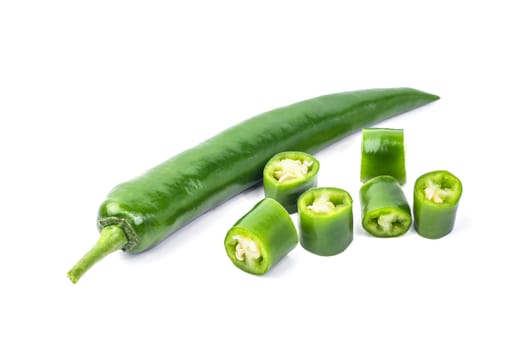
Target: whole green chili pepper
{"points": [[287, 175], [147, 209], [325, 220], [436, 197], [261, 238], [383, 153], [384, 208]]}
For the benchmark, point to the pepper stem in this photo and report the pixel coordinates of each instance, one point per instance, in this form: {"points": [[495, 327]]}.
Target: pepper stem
{"points": [[112, 238]]}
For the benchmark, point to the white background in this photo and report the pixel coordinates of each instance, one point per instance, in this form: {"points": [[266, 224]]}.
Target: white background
{"points": [[93, 93]]}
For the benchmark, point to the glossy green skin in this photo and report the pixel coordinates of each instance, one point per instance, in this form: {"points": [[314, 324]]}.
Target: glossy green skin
{"points": [[326, 234], [383, 153], [150, 207], [435, 220], [383, 195], [269, 225], [287, 193]]}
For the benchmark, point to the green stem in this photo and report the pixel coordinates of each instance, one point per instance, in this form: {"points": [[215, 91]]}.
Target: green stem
{"points": [[112, 238]]}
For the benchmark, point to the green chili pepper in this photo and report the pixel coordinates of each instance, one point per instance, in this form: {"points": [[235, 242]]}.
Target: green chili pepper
{"points": [[436, 197], [382, 153], [384, 208], [287, 175], [261, 238], [147, 209], [325, 220]]}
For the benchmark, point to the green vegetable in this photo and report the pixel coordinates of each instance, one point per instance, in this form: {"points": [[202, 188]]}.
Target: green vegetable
{"points": [[325, 220], [261, 238], [384, 208], [436, 197], [382, 153], [287, 175], [148, 208]]}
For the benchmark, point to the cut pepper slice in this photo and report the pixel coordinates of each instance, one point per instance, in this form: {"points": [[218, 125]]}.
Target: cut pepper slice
{"points": [[287, 175], [383, 153], [325, 220], [261, 238], [384, 208], [436, 197]]}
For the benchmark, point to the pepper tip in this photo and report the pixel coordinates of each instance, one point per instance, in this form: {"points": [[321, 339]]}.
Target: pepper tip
{"points": [[73, 276]]}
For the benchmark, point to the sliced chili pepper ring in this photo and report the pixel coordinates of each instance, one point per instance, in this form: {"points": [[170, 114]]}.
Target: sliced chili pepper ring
{"points": [[383, 153], [384, 208], [436, 198], [325, 220], [261, 238], [287, 175]]}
